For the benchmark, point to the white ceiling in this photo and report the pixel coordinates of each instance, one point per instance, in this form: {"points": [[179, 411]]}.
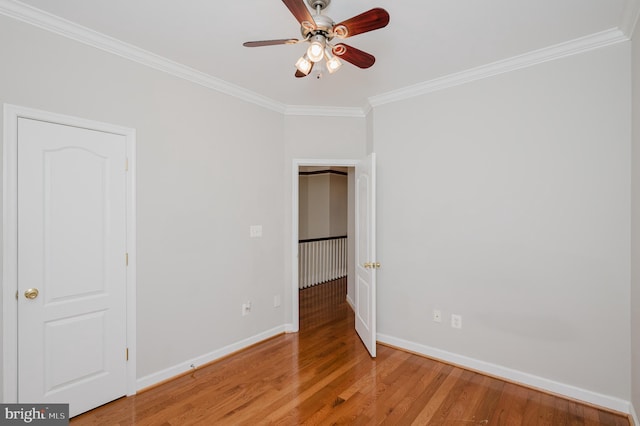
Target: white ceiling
{"points": [[425, 39]]}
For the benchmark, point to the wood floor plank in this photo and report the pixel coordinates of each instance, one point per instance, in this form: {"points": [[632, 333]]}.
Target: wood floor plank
{"points": [[511, 406], [427, 413], [323, 375]]}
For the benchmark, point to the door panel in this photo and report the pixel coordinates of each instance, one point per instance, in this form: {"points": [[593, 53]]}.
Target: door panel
{"points": [[365, 297], [62, 344], [71, 248]]}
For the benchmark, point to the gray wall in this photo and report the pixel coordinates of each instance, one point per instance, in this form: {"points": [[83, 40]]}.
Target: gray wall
{"points": [[338, 203], [204, 177], [507, 201], [322, 210], [635, 226]]}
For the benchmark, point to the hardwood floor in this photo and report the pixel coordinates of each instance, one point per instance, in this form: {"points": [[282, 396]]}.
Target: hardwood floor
{"points": [[324, 376]]}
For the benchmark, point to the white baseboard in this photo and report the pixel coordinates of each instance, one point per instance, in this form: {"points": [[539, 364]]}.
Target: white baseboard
{"points": [[509, 374], [351, 303], [183, 367], [531, 380]]}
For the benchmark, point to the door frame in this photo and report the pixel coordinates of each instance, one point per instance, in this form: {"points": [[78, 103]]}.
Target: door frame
{"points": [[295, 196], [10, 239]]}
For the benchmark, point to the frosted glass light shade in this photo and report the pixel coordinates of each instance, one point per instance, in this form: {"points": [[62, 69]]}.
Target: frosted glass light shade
{"points": [[333, 64], [315, 52], [304, 65]]}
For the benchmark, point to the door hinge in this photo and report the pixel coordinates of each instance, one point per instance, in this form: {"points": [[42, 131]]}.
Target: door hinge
{"points": [[127, 353], [126, 259], [17, 294]]}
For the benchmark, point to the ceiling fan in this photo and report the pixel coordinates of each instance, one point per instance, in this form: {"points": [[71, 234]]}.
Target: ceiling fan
{"points": [[320, 30]]}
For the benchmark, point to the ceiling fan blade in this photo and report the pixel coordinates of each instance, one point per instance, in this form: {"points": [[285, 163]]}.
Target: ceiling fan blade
{"points": [[355, 56], [302, 14], [368, 21], [300, 74], [270, 42]]}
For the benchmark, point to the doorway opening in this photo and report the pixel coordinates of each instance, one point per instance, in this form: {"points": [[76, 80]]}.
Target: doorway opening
{"points": [[323, 245], [361, 263], [323, 242]]}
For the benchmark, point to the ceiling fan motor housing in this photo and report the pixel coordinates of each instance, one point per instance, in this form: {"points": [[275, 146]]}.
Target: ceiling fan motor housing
{"points": [[324, 26]]}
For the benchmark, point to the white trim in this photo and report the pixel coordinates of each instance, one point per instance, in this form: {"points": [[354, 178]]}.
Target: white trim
{"points": [[10, 239], [183, 367], [634, 416], [132, 250], [630, 18], [324, 111], [295, 169], [366, 109], [558, 51], [351, 303], [9, 258], [531, 380], [73, 31]]}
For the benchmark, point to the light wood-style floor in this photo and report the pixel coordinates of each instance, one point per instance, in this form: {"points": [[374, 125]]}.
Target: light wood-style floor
{"points": [[324, 376]]}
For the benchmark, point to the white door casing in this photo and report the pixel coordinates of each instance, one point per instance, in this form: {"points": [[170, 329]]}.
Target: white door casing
{"points": [[70, 228], [364, 243], [365, 262]]}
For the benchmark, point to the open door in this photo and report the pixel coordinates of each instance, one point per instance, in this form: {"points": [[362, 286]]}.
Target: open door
{"points": [[365, 255]]}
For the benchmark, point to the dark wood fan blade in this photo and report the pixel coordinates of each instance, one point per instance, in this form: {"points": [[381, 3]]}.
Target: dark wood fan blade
{"points": [[355, 56], [302, 14], [270, 42], [300, 74], [368, 21]]}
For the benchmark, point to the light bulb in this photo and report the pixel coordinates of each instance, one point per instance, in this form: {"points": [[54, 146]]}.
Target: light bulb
{"points": [[304, 65], [333, 63], [315, 52]]}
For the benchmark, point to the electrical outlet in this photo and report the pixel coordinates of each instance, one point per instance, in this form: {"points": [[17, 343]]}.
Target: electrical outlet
{"points": [[456, 321], [246, 308], [437, 315], [276, 301]]}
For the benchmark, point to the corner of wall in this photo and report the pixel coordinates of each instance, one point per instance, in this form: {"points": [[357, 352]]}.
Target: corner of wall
{"points": [[635, 223], [369, 132]]}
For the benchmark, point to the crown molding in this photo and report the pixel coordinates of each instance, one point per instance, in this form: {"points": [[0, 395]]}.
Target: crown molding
{"points": [[579, 45], [324, 111], [630, 17], [49, 22], [367, 108], [52, 23]]}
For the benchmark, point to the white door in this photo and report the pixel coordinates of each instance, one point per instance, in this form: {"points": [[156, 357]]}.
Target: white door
{"points": [[71, 265], [366, 264]]}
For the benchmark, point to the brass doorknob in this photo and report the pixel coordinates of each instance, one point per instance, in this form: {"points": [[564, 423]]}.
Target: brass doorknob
{"points": [[374, 265], [31, 293]]}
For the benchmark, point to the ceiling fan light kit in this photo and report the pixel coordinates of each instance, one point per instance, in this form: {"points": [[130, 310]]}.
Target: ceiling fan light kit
{"points": [[315, 52], [320, 30], [304, 65]]}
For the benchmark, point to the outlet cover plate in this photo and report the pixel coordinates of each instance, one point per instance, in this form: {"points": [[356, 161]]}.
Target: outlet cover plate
{"points": [[456, 321]]}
